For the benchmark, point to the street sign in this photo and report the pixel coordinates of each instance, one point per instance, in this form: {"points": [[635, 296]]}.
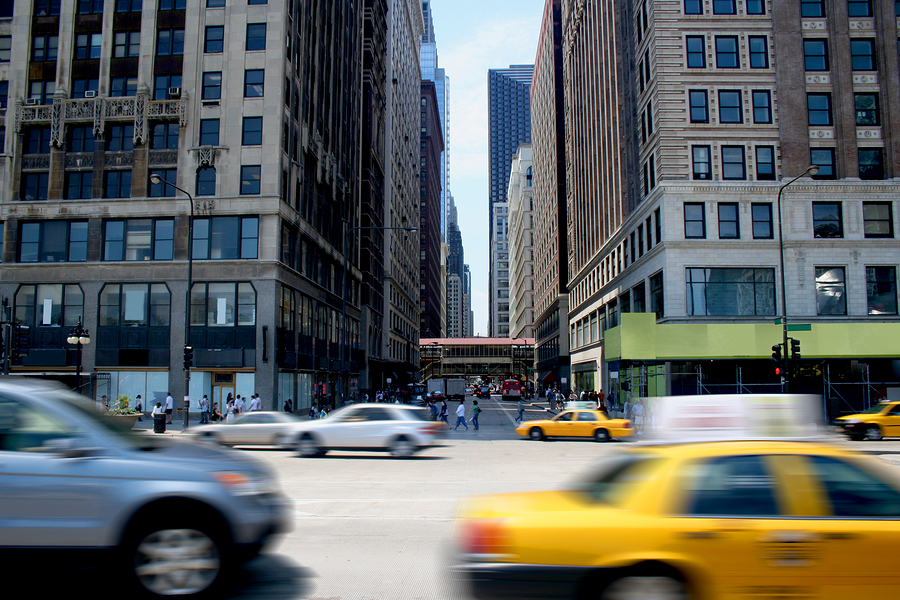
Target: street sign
{"points": [[800, 327], [778, 321]]}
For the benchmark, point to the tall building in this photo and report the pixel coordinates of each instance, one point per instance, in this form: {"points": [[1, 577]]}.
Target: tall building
{"points": [[509, 123], [255, 111], [468, 315], [455, 273], [431, 278], [689, 136], [521, 248], [551, 242]]}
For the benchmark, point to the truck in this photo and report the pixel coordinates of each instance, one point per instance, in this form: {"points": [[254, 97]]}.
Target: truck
{"points": [[449, 387]]}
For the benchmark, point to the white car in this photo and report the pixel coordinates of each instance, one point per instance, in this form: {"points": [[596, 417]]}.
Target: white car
{"points": [[262, 427], [400, 429]]}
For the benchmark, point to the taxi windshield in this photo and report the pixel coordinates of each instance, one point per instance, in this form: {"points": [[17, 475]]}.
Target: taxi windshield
{"points": [[874, 410], [612, 483]]}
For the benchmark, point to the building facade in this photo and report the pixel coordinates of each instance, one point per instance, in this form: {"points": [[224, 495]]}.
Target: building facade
{"points": [[521, 248], [432, 277]]}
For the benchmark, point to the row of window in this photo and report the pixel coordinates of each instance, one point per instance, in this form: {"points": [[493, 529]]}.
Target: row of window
{"points": [[871, 163], [215, 238], [590, 328], [727, 51], [808, 8], [88, 7]]}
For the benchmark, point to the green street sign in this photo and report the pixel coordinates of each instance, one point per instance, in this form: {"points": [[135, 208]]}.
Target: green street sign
{"points": [[778, 321], [800, 327]]}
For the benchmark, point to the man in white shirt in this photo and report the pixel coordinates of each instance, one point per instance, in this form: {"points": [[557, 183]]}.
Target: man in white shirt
{"points": [[170, 407], [204, 409], [461, 416], [254, 403]]}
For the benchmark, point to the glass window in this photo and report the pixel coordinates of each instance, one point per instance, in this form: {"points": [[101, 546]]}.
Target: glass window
{"points": [[731, 486], [699, 106], [730, 292], [756, 7], [80, 86], [727, 52], [117, 184], [693, 7], [827, 222], [815, 55], [870, 163], [657, 297], [762, 221], [859, 8], [135, 305], [209, 132], [128, 5], [120, 138], [88, 45], [878, 219], [696, 51], [38, 141], [43, 47], [702, 158], [830, 291], [824, 159], [733, 165], [170, 42], [881, 290], [120, 87], [223, 238], [724, 7], [5, 47], [172, 4], [214, 41], [250, 176], [46, 7], [866, 109], [162, 84], [79, 185], [4, 94], [256, 36], [765, 163], [138, 239], [818, 109], [215, 3], [206, 182], [223, 304], [34, 186], [812, 8], [252, 131], [694, 220], [730, 109], [212, 85], [49, 305], [53, 241], [165, 136], [90, 7], [42, 91], [759, 52], [128, 43], [729, 223], [254, 83], [762, 106], [862, 55], [161, 190]]}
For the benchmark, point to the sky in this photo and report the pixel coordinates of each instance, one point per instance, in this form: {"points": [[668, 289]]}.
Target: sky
{"points": [[473, 36]]}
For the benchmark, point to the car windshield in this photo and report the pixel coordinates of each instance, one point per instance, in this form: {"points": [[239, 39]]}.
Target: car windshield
{"points": [[88, 412], [874, 410], [613, 482]]}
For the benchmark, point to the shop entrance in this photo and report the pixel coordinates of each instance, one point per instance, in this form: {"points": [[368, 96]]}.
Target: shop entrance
{"points": [[223, 384]]}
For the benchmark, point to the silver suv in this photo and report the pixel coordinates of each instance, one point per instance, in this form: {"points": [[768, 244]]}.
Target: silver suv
{"points": [[175, 515]]}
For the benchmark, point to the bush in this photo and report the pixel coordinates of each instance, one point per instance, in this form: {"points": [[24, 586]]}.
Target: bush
{"points": [[122, 407]]}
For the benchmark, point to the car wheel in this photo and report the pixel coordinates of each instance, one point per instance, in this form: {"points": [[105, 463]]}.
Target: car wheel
{"points": [[536, 434], [873, 433], [645, 588], [181, 558], [402, 447], [601, 435], [309, 447]]}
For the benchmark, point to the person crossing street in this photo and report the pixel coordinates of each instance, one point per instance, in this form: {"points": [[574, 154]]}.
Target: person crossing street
{"points": [[461, 416]]}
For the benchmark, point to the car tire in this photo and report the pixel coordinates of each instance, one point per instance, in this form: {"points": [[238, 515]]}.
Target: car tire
{"points": [[402, 447], [601, 435], [873, 433], [176, 555], [642, 587], [536, 433], [309, 447]]}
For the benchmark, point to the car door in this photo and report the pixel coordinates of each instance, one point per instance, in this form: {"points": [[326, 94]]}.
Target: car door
{"points": [[890, 421], [586, 424], [562, 424]]}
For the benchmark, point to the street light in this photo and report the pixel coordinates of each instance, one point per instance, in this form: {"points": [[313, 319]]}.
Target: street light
{"points": [[344, 338], [156, 179], [812, 170], [78, 336]]}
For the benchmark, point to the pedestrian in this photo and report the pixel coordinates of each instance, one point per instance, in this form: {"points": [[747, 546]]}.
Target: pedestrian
{"points": [[312, 411], [627, 408], [238, 405], [216, 413], [229, 412], [170, 407], [433, 410], [324, 412], [520, 406], [638, 411], [379, 396], [445, 413], [104, 402], [204, 409], [157, 410], [476, 410], [461, 417], [288, 406], [139, 406], [255, 403]]}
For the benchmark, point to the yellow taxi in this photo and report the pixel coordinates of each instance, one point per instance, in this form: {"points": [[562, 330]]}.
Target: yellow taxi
{"points": [[577, 423], [708, 520], [874, 423]]}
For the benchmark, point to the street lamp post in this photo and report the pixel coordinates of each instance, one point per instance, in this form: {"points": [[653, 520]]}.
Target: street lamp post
{"points": [[812, 170], [344, 337], [78, 336], [156, 179]]}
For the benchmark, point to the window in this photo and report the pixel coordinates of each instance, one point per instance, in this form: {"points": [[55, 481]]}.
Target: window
{"points": [[830, 291], [694, 220], [727, 52], [878, 220], [702, 159], [762, 221], [756, 7], [733, 166], [729, 223], [693, 7], [827, 222], [870, 163], [34, 186], [80, 86], [38, 141], [165, 136], [215, 39], [215, 3], [759, 52], [818, 109], [730, 110], [43, 47], [637, 294], [6, 48], [128, 43], [696, 51], [161, 190], [862, 55], [206, 182], [765, 163], [53, 241], [224, 238], [209, 132], [128, 6], [881, 290], [117, 184], [170, 42], [4, 94], [120, 138], [252, 2], [724, 7], [762, 106], [49, 305], [134, 305], [732, 486], [815, 55], [252, 131], [866, 109], [250, 175], [254, 80], [138, 239], [256, 36], [812, 8], [42, 91], [657, 299], [122, 86], [859, 8], [730, 292], [46, 7], [699, 106], [223, 304], [824, 159], [162, 83], [212, 85], [79, 185], [90, 7]]}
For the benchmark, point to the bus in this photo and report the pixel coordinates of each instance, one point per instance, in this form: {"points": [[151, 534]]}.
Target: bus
{"points": [[511, 389]]}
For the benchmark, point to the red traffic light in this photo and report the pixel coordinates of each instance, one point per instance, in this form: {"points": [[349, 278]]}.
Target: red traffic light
{"points": [[778, 370]]}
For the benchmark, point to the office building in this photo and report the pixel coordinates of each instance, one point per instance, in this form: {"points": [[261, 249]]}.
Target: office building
{"points": [[521, 248]]}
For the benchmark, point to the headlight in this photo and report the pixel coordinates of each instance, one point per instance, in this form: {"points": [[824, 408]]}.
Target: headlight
{"points": [[246, 484], [851, 422]]}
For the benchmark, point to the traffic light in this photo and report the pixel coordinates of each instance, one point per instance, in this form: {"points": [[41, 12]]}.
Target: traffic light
{"points": [[188, 357], [21, 340], [795, 349], [776, 352], [779, 371]]}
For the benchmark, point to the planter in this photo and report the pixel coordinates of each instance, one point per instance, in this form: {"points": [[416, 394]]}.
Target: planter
{"points": [[126, 422]]}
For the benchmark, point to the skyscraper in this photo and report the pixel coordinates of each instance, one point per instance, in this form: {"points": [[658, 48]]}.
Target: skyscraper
{"points": [[432, 72]]}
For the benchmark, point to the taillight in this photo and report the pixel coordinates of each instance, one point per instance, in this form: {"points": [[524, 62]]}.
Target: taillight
{"points": [[484, 537], [627, 423]]}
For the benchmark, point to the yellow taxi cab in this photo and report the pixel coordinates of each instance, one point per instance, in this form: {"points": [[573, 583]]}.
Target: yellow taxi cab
{"points": [[705, 520], [577, 423], [874, 423]]}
